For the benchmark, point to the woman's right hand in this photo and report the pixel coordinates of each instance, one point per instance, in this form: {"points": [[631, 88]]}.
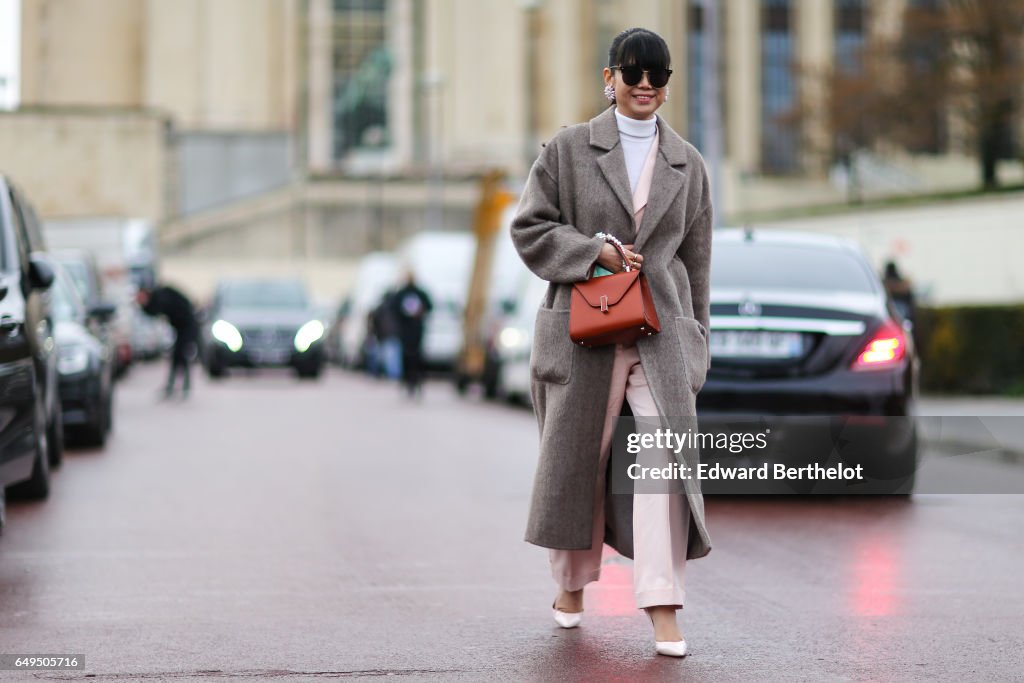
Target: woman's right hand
{"points": [[611, 259]]}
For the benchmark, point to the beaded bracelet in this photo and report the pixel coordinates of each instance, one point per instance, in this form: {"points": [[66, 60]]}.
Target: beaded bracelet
{"points": [[612, 239]]}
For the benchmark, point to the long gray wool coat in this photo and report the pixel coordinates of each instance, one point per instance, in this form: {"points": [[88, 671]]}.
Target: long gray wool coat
{"points": [[577, 187]]}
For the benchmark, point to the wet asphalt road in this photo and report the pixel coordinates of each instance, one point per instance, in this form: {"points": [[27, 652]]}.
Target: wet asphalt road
{"points": [[269, 528]]}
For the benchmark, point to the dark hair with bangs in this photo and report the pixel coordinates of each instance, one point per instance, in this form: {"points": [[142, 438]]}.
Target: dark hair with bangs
{"points": [[639, 47]]}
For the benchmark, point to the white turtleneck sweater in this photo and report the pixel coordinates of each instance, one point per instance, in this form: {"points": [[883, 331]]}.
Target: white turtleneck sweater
{"points": [[636, 137]]}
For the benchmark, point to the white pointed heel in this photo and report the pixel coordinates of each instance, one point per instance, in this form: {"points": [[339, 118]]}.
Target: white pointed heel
{"points": [[671, 648], [566, 619]]}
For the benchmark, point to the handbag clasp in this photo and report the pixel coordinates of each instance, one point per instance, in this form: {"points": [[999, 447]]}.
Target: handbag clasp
{"points": [[604, 303]]}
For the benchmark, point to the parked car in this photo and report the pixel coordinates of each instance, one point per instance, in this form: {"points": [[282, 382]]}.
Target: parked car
{"points": [[79, 269], [31, 435], [801, 326], [262, 323], [511, 346], [123, 251], [85, 363], [84, 272], [151, 336]]}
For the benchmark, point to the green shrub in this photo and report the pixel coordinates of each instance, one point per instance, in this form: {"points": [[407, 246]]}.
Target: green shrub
{"points": [[971, 349]]}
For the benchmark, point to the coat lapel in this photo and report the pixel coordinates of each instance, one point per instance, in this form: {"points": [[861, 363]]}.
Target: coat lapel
{"points": [[613, 166], [668, 177], [604, 134]]}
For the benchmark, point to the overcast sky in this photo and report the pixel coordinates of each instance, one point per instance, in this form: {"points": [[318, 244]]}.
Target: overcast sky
{"points": [[9, 29]]}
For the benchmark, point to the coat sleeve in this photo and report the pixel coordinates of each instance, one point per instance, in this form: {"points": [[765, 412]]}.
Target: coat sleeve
{"points": [[155, 304], [428, 303], [696, 255], [554, 250]]}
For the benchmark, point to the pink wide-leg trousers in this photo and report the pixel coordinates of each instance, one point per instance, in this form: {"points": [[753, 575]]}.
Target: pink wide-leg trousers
{"points": [[660, 520]]}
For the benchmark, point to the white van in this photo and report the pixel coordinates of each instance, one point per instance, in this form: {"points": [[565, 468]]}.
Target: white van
{"points": [[441, 263], [377, 273]]}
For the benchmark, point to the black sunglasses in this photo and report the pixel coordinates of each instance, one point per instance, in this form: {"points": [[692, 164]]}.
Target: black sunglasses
{"points": [[631, 75]]}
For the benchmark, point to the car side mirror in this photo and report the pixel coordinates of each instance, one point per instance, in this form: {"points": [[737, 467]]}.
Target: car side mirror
{"points": [[103, 312], [40, 273]]}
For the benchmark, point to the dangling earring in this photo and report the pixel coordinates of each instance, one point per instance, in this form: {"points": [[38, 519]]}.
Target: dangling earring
{"points": [[666, 94], [609, 92]]}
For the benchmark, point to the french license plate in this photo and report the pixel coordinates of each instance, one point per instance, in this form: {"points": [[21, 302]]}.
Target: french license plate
{"points": [[755, 344], [269, 356]]}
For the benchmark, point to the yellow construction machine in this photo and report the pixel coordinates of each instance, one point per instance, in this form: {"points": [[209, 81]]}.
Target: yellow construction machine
{"points": [[473, 363]]}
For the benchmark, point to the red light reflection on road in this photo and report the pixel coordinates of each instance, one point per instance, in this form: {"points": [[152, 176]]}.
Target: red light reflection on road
{"points": [[875, 575], [613, 594]]}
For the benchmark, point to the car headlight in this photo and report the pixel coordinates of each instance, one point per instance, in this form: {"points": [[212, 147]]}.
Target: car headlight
{"points": [[72, 359], [512, 338], [307, 334], [227, 334]]}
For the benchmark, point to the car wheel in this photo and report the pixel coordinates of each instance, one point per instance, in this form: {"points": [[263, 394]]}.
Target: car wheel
{"points": [[215, 371], [492, 380], [38, 486], [108, 412], [56, 437], [94, 434], [312, 372]]}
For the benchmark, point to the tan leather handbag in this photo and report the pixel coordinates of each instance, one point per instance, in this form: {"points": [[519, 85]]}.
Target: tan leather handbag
{"points": [[612, 309]]}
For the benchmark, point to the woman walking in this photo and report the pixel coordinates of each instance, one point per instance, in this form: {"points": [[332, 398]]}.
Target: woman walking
{"points": [[624, 176]]}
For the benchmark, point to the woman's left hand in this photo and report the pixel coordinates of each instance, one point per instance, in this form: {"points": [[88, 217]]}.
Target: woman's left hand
{"points": [[635, 260], [611, 259]]}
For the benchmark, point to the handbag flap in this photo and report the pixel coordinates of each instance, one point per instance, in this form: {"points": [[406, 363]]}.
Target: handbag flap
{"points": [[614, 287]]}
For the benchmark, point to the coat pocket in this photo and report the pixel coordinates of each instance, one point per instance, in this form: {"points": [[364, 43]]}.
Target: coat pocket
{"points": [[694, 348], [553, 351]]}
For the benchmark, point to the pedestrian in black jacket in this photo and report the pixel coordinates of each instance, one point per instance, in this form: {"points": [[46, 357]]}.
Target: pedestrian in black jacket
{"points": [[411, 306], [176, 307], [388, 346]]}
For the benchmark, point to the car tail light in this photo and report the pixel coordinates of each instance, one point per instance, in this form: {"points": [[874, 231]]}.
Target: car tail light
{"points": [[887, 347]]}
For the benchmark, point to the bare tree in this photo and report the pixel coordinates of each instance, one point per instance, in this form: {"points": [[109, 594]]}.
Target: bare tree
{"points": [[963, 56], [953, 60]]}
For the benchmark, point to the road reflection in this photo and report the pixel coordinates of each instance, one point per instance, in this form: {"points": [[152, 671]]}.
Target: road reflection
{"points": [[875, 573]]}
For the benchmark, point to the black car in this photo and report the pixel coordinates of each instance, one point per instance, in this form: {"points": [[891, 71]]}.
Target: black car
{"points": [[802, 326], [85, 363], [31, 434], [262, 323], [83, 272]]}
